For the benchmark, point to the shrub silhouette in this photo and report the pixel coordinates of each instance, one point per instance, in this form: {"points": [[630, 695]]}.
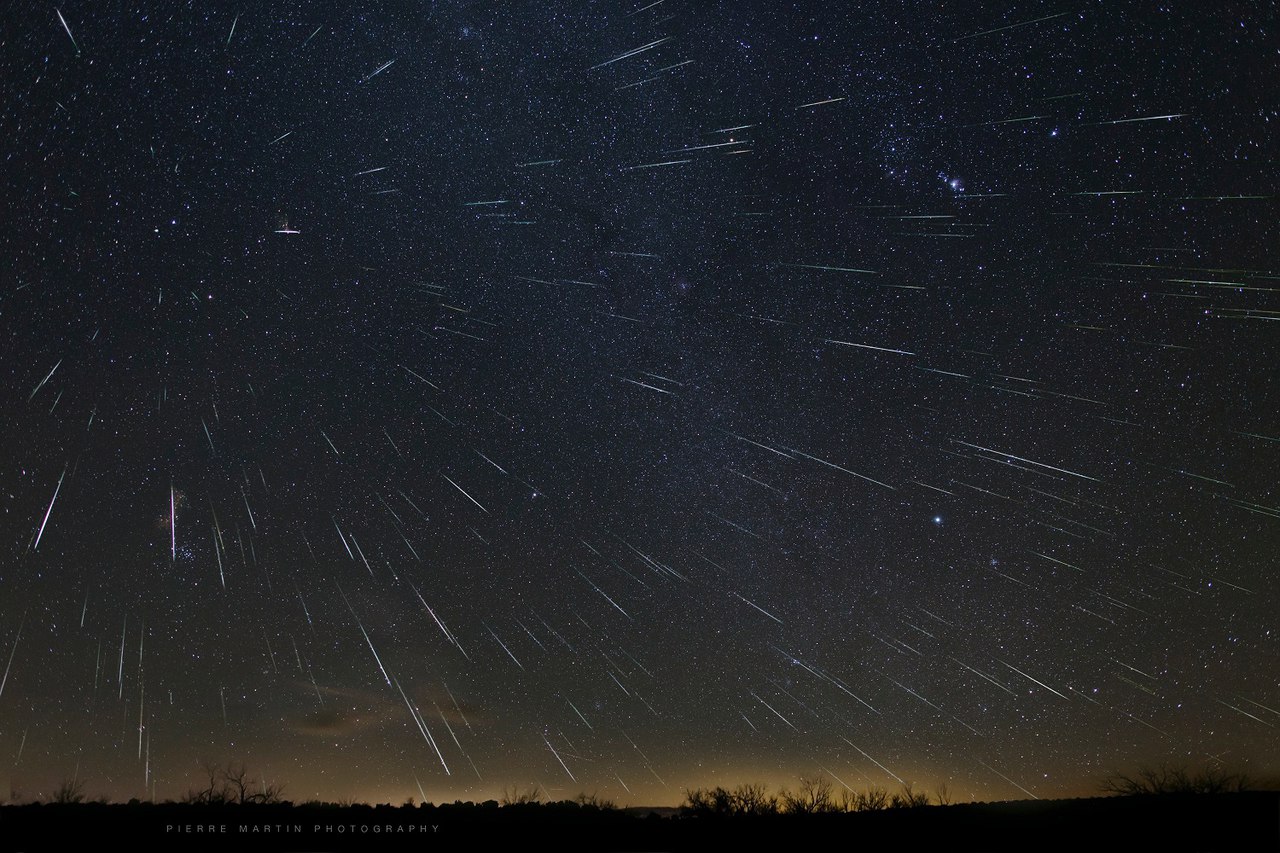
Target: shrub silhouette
{"points": [[1175, 779], [69, 791], [873, 799]]}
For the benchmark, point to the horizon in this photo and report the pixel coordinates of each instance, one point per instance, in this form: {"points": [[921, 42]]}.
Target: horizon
{"points": [[511, 794]]}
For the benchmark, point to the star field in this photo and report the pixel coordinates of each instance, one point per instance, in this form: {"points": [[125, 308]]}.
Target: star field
{"points": [[626, 398]]}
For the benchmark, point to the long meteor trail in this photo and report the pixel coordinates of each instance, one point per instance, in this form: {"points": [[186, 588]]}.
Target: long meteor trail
{"points": [[630, 53], [464, 492], [45, 521], [68, 29]]}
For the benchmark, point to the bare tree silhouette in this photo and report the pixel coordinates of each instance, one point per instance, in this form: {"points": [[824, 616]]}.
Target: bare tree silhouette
{"points": [[518, 797], [873, 799], [908, 798], [594, 801], [813, 796], [213, 793], [232, 784], [752, 798]]}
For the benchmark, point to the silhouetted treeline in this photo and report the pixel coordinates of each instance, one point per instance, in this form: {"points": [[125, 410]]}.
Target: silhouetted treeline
{"points": [[1164, 823], [1171, 809], [814, 795]]}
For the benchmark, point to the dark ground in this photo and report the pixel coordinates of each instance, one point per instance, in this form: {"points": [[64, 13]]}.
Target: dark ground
{"points": [[1229, 822]]}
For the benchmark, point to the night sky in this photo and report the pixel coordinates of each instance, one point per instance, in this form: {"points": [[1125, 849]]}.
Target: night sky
{"points": [[430, 398]]}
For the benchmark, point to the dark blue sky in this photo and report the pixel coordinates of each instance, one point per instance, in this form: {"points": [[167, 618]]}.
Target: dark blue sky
{"points": [[622, 400]]}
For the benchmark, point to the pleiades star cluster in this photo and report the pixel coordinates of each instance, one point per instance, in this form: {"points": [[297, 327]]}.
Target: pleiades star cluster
{"points": [[431, 399]]}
